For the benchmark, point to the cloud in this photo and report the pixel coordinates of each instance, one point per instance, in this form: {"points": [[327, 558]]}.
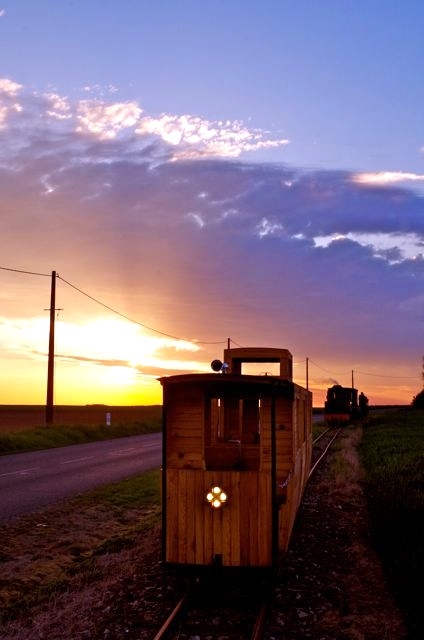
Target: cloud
{"points": [[9, 87], [106, 121], [185, 136], [392, 247], [90, 344], [8, 105], [199, 137], [160, 218], [387, 177]]}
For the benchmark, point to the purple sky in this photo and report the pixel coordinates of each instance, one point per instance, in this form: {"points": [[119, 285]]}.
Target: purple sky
{"points": [[251, 171]]}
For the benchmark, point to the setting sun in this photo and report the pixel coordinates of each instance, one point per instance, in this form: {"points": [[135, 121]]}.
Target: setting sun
{"points": [[104, 360]]}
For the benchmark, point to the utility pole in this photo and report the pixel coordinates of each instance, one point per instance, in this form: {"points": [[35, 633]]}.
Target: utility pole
{"points": [[307, 373], [422, 373], [50, 366]]}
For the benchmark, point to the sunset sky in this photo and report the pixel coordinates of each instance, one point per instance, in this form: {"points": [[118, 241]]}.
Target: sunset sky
{"points": [[198, 172]]}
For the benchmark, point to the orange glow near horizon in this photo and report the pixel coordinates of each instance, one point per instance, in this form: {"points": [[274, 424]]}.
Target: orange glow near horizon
{"points": [[101, 361], [105, 389], [80, 383], [77, 384], [114, 362]]}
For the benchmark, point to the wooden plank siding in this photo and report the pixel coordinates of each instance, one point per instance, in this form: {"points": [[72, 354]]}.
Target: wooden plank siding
{"points": [[298, 474], [185, 427], [284, 453], [239, 532]]}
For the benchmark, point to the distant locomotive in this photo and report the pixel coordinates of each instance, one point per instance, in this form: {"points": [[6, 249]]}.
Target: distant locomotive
{"points": [[236, 458], [343, 406]]}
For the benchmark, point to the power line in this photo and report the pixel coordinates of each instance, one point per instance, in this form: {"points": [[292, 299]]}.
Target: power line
{"points": [[365, 373], [30, 273], [334, 373], [105, 306], [122, 315], [381, 375], [168, 335]]}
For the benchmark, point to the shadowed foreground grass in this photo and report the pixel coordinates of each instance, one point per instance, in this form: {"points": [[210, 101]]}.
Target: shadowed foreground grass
{"points": [[392, 453], [80, 542]]}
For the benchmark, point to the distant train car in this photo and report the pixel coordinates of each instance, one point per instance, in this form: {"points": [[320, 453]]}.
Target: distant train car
{"points": [[342, 405], [236, 457]]}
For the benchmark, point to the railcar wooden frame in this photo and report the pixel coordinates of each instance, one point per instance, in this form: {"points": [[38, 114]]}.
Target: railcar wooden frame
{"points": [[268, 476]]}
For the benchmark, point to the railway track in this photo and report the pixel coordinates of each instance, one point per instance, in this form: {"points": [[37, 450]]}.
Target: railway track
{"points": [[320, 447], [213, 610], [238, 610]]}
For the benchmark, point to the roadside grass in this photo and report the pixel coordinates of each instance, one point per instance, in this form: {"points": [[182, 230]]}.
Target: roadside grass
{"points": [[37, 438], [83, 541], [392, 454], [134, 492]]}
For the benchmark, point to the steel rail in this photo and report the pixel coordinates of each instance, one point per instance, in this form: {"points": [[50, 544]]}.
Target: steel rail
{"points": [[167, 626], [323, 454], [258, 629], [167, 630], [320, 436]]}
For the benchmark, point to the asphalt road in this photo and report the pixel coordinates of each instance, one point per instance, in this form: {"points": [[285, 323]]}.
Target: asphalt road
{"points": [[31, 481]]}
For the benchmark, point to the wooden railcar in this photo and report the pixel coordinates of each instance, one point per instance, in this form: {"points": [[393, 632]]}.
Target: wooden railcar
{"points": [[236, 457]]}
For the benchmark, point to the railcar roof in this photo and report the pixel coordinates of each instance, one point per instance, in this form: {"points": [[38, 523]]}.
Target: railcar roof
{"points": [[227, 378]]}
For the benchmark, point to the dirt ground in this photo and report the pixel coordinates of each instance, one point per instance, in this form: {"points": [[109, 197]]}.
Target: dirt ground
{"points": [[330, 585]]}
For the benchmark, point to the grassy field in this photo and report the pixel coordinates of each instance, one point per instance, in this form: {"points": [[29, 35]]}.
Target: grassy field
{"points": [[392, 453], [85, 541], [22, 427]]}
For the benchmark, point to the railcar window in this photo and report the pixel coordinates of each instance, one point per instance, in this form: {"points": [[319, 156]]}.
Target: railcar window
{"points": [[234, 418], [251, 419], [233, 426]]}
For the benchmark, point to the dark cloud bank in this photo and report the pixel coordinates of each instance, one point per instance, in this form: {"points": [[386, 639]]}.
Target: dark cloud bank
{"points": [[211, 248]]}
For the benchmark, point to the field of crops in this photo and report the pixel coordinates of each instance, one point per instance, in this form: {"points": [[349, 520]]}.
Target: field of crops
{"points": [[20, 417], [392, 453]]}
